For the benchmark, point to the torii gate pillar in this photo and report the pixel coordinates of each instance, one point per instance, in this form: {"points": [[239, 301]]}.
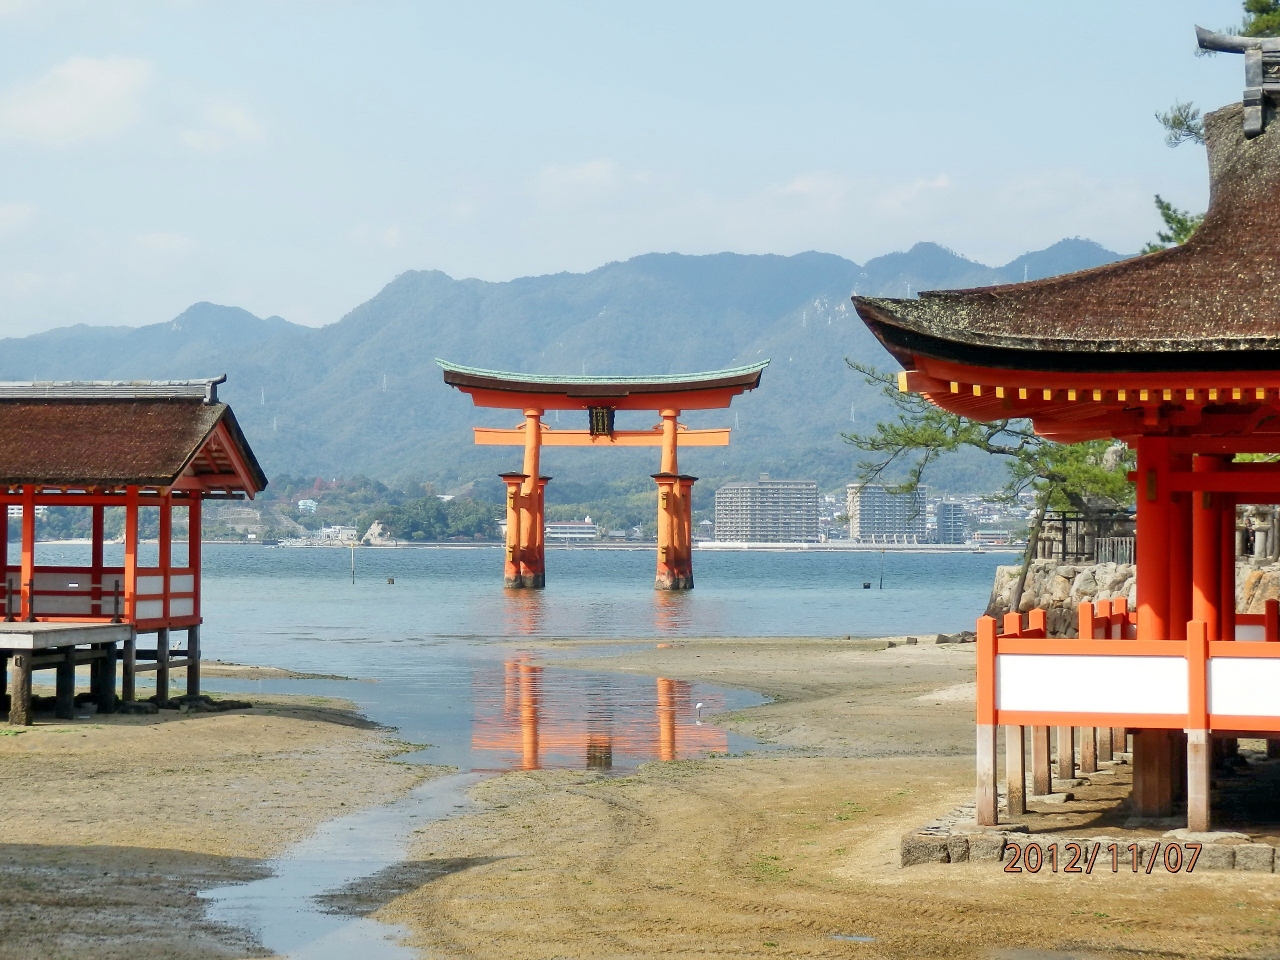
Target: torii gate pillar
{"points": [[675, 514]]}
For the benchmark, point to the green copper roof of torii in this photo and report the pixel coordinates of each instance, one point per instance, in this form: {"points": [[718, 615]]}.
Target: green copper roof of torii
{"points": [[689, 381]]}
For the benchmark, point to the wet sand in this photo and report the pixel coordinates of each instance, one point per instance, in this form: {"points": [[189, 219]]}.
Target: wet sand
{"points": [[110, 826], [780, 854]]}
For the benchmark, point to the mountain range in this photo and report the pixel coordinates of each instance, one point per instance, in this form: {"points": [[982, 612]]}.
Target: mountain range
{"points": [[364, 396]]}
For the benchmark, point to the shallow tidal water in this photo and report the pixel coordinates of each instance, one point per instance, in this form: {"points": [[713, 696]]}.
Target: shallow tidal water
{"points": [[431, 644]]}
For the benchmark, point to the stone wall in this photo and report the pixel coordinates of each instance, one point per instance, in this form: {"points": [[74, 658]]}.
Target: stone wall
{"points": [[1060, 589]]}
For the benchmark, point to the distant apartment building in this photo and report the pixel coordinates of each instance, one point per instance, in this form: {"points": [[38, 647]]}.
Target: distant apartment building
{"points": [[953, 522], [768, 511], [571, 531], [308, 506], [878, 516]]}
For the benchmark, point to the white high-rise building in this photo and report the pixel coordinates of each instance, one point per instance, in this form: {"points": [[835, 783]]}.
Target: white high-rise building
{"points": [[769, 511], [953, 522], [878, 516]]}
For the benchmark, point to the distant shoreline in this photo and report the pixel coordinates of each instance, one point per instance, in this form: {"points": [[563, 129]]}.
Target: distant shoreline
{"points": [[709, 546]]}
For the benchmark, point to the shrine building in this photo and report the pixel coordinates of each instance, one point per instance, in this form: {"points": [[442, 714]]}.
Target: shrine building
{"points": [[599, 398], [149, 452], [1177, 354]]}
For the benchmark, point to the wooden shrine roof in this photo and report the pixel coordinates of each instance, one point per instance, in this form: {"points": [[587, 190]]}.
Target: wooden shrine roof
{"points": [[711, 388], [106, 435], [1211, 304]]}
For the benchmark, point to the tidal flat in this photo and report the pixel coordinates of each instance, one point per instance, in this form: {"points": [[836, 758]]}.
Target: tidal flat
{"points": [[114, 825]]}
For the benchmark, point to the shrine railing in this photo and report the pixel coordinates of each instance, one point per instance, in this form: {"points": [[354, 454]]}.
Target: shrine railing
{"points": [[88, 595], [1107, 678]]}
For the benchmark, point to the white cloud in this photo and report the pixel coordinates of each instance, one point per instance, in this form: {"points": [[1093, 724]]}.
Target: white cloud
{"points": [[15, 216], [223, 125], [164, 243], [589, 181], [388, 238], [82, 99]]}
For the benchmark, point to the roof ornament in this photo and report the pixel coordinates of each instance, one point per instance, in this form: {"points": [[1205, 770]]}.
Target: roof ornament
{"points": [[1261, 72]]}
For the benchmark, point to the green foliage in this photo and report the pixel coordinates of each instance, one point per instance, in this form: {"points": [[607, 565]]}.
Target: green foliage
{"points": [[1182, 124], [1179, 226], [1261, 18], [1062, 475], [430, 518]]}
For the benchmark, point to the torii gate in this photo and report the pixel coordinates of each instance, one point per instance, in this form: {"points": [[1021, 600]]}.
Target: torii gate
{"points": [[601, 397]]}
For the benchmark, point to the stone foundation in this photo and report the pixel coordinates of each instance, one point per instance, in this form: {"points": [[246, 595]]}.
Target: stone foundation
{"points": [[1060, 588]]}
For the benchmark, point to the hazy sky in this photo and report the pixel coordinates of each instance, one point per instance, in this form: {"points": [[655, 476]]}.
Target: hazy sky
{"points": [[291, 157]]}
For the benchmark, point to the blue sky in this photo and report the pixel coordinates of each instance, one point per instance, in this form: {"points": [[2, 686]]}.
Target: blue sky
{"points": [[292, 156]]}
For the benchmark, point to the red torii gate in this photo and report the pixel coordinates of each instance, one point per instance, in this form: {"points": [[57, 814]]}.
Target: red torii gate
{"points": [[600, 396]]}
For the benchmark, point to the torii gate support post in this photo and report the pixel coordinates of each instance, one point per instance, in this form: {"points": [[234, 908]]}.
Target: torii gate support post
{"points": [[511, 563], [675, 494], [532, 555]]}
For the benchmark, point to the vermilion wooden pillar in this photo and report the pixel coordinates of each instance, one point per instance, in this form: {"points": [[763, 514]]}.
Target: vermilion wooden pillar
{"points": [[1206, 544], [130, 554], [675, 513], [532, 558], [1152, 750], [98, 536], [28, 551], [1227, 568], [1179, 562], [511, 563]]}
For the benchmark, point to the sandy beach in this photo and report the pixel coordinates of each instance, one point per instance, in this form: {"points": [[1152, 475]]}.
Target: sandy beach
{"points": [[789, 851], [110, 826]]}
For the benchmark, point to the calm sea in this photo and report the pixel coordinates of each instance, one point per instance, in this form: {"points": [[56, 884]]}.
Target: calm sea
{"points": [[432, 642]]}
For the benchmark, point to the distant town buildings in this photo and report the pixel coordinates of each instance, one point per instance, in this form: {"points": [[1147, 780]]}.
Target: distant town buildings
{"points": [[571, 531], [768, 511], [878, 516], [307, 506], [338, 534], [953, 522]]}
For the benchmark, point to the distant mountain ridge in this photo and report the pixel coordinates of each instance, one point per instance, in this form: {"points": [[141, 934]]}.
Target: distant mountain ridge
{"points": [[363, 395]]}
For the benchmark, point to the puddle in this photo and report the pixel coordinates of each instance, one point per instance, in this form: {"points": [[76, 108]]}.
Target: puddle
{"points": [[853, 938], [299, 911]]}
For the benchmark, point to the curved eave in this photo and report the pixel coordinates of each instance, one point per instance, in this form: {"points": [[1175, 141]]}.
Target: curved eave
{"points": [[906, 339], [474, 378]]}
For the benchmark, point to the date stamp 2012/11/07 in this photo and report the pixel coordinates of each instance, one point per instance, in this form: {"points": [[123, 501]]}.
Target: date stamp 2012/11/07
{"points": [[1084, 858]]}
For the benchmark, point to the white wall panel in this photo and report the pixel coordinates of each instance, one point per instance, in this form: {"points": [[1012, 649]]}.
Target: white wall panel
{"points": [[1091, 684], [1244, 687]]}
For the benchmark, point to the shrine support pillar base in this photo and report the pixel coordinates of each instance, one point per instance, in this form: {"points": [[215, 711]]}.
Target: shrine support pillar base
{"points": [[1198, 781]]}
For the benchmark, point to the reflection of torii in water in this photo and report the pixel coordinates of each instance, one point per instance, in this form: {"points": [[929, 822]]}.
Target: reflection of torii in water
{"points": [[523, 704], [600, 398]]}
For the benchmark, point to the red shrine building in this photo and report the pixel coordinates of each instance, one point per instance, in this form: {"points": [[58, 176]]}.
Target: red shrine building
{"points": [[139, 458], [1177, 354]]}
